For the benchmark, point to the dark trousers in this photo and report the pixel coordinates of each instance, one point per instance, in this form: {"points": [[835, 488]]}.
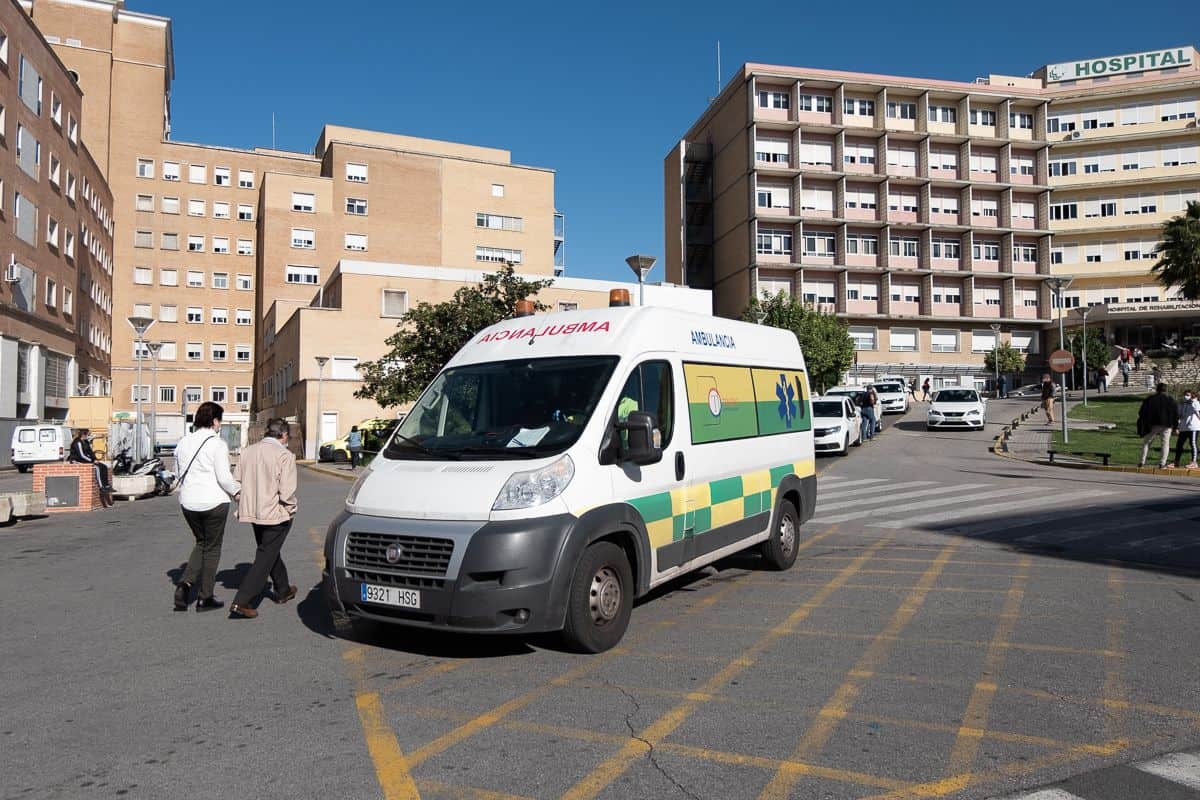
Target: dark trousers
{"points": [[267, 562], [209, 529], [101, 474], [1190, 438], [355, 455]]}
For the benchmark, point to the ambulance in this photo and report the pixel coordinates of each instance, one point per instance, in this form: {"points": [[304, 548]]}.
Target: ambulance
{"points": [[562, 465]]}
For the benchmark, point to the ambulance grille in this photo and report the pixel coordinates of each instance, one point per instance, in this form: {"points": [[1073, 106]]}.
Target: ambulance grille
{"points": [[419, 555]]}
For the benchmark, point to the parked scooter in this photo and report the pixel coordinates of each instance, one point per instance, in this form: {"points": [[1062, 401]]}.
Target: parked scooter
{"points": [[163, 477]]}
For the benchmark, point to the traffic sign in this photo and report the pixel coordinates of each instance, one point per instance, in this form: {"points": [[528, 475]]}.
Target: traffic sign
{"points": [[1062, 361]]}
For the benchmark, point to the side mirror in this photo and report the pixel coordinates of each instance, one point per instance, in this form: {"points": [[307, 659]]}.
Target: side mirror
{"points": [[642, 443]]}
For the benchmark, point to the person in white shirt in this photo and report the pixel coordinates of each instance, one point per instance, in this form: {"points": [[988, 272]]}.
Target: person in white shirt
{"points": [[1189, 425], [205, 485]]}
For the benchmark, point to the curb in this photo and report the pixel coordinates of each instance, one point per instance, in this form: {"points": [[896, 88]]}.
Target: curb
{"points": [[332, 472]]}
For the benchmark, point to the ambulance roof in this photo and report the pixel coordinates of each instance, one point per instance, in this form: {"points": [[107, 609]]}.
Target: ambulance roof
{"points": [[631, 331]]}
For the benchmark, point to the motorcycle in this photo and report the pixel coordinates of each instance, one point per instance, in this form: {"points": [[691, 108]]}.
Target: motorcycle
{"points": [[163, 477]]}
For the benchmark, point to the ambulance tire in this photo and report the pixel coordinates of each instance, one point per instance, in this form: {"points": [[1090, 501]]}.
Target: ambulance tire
{"points": [[600, 599], [780, 550]]}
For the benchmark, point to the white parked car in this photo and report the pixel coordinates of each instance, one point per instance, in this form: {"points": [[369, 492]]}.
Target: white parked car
{"points": [[893, 397], [957, 408], [836, 423], [39, 444]]}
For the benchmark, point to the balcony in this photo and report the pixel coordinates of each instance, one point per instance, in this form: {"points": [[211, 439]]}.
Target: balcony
{"points": [[865, 214], [862, 307], [905, 308], [985, 177], [942, 218], [947, 309], [984, 220], [1023, 311], [985, 311]]}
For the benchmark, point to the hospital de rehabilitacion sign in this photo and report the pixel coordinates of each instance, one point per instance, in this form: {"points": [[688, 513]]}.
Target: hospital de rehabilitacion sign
{"points": [[1117, 65]]}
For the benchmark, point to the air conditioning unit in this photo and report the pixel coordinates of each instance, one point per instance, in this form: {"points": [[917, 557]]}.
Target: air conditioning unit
{"points": [[12, 273], [1075, 135]]}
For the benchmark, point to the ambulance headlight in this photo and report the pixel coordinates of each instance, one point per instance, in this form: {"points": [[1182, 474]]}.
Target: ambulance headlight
{"points": [[529, 489]]}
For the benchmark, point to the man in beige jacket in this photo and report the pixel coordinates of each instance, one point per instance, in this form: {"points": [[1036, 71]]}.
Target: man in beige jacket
{"points": [[267, 472]]}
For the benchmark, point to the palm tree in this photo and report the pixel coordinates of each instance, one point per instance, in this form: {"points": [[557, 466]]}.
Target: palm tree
{"points": [[1179, 253]]}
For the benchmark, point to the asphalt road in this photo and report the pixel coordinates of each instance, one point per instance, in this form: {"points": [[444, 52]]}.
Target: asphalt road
{"points": [[958, 625]]}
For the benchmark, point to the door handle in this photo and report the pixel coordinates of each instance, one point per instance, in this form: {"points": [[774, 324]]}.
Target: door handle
{"points": [[679, 466]]}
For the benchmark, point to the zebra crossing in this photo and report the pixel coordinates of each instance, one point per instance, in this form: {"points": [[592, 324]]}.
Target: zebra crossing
{"points": [[1174, 776], [1103, 521]]}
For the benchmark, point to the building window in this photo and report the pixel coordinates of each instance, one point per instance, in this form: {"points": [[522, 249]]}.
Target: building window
{"points": [[195, 279], [863, 244], [303, 238], [139, 393], [170, 170], [1064, 211], [241, 395], [143, 276], [195, 208], [51, 293], [195, 314], [220, 280], [220, 244], [168, 277], [166, 394], [1021, 120], [774, 242], [170, 241], [218, 351], [858, 107], [356, 241], [170, 205], [395, 303], [197, 173], [497, 255], [195, 352], [145, 168], [245, 212], [902, 110], [356, 172], [69, 245], [781, 197], [70, 177], [168, 313], [242, 317], [193, 394], [986, 251], [864, 338], [303, 201], [244, 282], [943, 114], [497, 190], [779, 100], [222, 176], [498, 223], [771, 151], [144, 202], [903, 340], [195, 243], [981, 116], [72, 128], [947, 293], [245, 179], [356, 206], [220, 210], [1026, 253], [303, 275], [217, 393], [820, 103], [906, 246], [68, 305], [29, 152], [982, 341], [819, 243], [52, 230], [245, 247], [55, 169], [943, 341], [241, 353]]}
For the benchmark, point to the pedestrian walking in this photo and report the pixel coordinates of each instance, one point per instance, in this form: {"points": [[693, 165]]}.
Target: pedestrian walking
{"points": [[912, 389], [355, 442], [205, 486], [1188, 426], [866, 401], [267, 471], [1048, 398], [925, 391], [1156, 419], [1102, 380], [1138, 355], [1124, 365], [82, 453], [1002, 387], [1156, 375]]}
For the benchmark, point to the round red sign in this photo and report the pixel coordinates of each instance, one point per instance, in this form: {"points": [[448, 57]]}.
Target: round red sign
{"points": [[1061, 361]]}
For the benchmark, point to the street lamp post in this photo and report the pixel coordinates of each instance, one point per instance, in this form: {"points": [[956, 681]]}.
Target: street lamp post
{"points": [[154, 347], [995, 326], [320, 381], [1057, 285], [140, 325], [641, 266], [1083, 312]]}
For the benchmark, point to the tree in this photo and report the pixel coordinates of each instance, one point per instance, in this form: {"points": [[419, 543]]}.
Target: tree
{"points": [[825, 339], [1178, 265], [1011, 359], [430, 334], [1097, 350]]}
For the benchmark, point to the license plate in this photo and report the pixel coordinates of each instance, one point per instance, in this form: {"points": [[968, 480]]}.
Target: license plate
{"points": [[390, 596]]}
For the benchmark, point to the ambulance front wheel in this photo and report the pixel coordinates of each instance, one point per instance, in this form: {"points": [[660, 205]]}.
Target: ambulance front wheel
{"points": [[780, 550], [600, 600]]}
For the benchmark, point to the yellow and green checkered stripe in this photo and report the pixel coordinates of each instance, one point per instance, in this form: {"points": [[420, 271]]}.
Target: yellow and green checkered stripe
{"points": [[670, 516]]}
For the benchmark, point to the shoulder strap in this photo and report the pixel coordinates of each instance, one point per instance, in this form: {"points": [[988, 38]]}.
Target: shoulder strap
{"points": [[179, 482]]}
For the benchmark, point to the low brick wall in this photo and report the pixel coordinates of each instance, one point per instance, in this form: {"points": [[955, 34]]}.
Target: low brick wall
{"points": [[89, 492]]}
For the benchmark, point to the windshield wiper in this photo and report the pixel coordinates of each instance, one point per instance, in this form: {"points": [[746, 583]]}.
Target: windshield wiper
{"points": [[501, 451], [422, 448]]}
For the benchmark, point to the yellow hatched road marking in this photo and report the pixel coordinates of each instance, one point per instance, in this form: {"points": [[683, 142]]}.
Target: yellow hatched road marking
{"points": [[843, 699], [616, 765], [391, 768]]}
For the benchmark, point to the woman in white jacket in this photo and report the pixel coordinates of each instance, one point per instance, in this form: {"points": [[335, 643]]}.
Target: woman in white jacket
{"points": [[1189, 425]]}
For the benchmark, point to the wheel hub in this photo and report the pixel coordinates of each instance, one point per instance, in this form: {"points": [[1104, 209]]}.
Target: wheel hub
{"points": [[605, 596], [787, 535]]}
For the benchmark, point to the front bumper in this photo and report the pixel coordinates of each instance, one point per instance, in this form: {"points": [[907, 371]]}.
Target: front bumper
{"points": [[955, 422], [828, 442], [500, 579], [893, 406]]}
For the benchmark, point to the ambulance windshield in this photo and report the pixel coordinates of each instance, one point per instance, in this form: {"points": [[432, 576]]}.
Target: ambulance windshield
{"points": [[526, 408]]}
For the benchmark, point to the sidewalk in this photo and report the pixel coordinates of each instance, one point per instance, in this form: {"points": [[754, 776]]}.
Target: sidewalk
{"points": [[345, 473]]}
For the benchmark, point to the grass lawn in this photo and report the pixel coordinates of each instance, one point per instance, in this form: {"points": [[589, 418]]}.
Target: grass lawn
{"points": [[1123, 441]]}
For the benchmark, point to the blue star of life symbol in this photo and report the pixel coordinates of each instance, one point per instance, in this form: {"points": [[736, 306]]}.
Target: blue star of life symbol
{"points": [[787, 400]]}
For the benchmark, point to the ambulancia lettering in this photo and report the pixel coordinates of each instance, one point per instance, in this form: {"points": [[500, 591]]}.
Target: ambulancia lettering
{"points": [[545, 330], [707, 339]]}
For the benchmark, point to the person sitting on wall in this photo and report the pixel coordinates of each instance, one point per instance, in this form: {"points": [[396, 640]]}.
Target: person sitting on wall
{"points": [[82, 453]]}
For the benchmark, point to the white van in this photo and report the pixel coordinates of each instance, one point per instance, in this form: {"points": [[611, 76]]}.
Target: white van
{"points": [[39, 444], [564, 464]]}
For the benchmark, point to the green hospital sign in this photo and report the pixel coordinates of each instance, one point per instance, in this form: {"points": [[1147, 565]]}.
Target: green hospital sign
{"points": [[1116, 65]]}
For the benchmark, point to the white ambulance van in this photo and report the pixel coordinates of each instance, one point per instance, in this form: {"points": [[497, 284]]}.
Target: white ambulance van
{"points": [[562, 465]]}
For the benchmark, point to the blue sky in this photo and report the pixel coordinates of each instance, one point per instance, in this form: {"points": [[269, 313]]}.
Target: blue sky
{"points": [[597, 92]]}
